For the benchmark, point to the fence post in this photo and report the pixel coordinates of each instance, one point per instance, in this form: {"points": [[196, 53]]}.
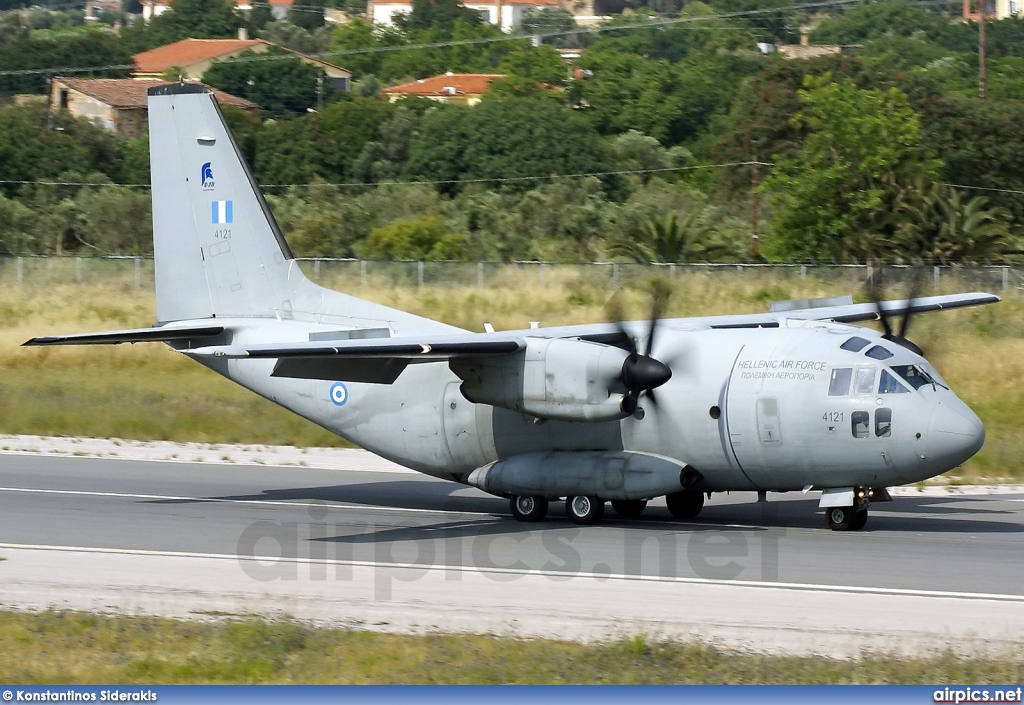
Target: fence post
{"points": [[615, 275], [479, 275], [543, 271], [138, 273], [672, 271], [362, 271], [21, 271], [935, 278], [1006, 277], [316, 268], [419, 273], [78, 269], [803, 271]]}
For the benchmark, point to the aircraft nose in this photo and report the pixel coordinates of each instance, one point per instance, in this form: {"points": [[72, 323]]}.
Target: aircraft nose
{"points": [[958, 432]]}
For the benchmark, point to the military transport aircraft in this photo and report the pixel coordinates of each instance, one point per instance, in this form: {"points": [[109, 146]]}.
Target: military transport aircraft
{"points": [[793, 399]]}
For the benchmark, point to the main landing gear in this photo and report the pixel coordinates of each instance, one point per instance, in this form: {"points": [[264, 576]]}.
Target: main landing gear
{"points": [[589, 509], [846, 518]]}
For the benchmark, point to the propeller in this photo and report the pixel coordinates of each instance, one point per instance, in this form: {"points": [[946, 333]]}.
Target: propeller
{"points": [[641, 372], [898, 336]]}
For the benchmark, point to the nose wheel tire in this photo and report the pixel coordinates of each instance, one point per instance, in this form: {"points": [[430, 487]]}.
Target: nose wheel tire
{"points": [[846, 518], [528, 508], [584, 509], [629, 508], [686, 504]]}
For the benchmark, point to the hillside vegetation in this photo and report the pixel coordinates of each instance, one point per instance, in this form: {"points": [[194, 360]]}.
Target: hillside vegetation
{"points": [[641, 152]]}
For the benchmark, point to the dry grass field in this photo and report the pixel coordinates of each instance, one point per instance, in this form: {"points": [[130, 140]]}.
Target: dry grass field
{"points": [[148, 392]]}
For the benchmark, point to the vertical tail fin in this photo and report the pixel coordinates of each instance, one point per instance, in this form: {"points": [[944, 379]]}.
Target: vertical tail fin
{"points": [[218, 249]]}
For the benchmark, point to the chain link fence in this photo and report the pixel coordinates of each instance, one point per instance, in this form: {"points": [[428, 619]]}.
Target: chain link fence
{"points": [[137, 273]]}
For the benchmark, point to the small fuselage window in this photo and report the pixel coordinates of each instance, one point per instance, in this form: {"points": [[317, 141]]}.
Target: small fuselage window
{"points": [[888, 384], [883, 422], [860, 424], [877, 352], [839, 385]]}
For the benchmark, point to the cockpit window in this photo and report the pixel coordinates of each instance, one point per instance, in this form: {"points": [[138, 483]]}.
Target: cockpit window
{"points": [[878, 352], [865, 381], [913, 376], [839, 385], [888, 384], [855, 344]]}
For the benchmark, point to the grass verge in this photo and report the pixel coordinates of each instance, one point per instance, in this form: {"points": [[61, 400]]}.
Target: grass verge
{"points": [[60, 647], [148, 392]]}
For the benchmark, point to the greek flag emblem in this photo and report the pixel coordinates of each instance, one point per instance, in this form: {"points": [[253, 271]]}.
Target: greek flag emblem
{"points": [[221, 212]]}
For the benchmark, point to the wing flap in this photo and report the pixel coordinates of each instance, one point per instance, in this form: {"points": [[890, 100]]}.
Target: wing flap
{"points": [[136, 335], [408, 348]]}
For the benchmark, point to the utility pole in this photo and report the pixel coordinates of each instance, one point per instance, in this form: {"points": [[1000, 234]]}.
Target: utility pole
{"points": [[982, 77], [49, 101], [753, 206]]}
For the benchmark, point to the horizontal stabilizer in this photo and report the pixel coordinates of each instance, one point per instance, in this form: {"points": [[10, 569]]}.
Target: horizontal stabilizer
{"points": [[137, 335]]}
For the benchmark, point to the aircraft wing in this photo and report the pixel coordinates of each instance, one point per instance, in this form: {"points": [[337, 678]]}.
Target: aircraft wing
{"points": [[852, 313]]}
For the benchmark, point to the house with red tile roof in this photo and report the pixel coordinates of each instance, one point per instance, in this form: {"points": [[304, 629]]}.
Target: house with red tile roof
{"points": [[457, 88], [119, 104], [504, 13], [192, 57]]}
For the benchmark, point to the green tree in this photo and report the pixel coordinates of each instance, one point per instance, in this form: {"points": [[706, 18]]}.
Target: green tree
{"points": [[87, 49], [290, 36], [508, 138], [198, 19], [425, 238], [308, 14], [281, 86], [436, 14], [557, 21], [945, 226], [29, 151], [15, 227], [537, 63], [871, 20], [835, 196]]}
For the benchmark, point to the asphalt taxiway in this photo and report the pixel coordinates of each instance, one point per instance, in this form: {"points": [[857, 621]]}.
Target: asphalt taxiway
{"points": [[386, 549]]}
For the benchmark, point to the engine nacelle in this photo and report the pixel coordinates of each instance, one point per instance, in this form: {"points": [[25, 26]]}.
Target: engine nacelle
{"points": [[552, 378], [605, 474]]}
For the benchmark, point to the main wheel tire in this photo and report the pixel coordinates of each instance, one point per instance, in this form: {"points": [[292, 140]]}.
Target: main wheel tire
{"points": [[629, 508], [584, 509], [841, 518], [528, 508], [685, 504]]}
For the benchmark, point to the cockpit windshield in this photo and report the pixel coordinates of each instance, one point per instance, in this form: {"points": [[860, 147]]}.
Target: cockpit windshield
{"points": [[915, 375]]}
